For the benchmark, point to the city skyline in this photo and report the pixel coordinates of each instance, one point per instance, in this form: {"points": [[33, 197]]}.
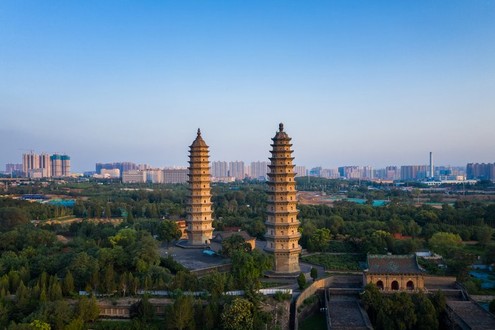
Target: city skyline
{"points": [[142, 165], [355, 83]]}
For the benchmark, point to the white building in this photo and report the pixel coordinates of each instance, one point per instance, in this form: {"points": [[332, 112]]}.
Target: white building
{"points": [[175, 175], [134, 176], [154, 175]]}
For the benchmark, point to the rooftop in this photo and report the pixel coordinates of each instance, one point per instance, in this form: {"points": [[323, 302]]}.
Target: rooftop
{"points": [[393, 264], [199, 142]]}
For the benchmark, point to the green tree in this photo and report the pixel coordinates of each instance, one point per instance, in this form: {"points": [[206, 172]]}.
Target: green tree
{"points": [[238, 315], [335, 224], [244, 269], [373, 301], [210, 316], [314, 273], [68, 285], [109, 279], [484, 234], [145, 252], [57, 313], [39, 325], [234, 243], [319, 240], [182, 313], [215, 284], [439, 302], [55, 289], [396, 312], [75, 324], [301, 281], [4, 314], [445, 243], [169, 231], [125, 237], [427, 318], [144, 310], [87, 309], [11, 217]]}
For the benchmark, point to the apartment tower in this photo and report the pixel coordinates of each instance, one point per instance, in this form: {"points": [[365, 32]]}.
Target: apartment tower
{"points": [[199, 213], [282, 236]]}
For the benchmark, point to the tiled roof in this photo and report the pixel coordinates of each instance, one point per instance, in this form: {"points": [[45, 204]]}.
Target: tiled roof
{"points": [[393, 264]]}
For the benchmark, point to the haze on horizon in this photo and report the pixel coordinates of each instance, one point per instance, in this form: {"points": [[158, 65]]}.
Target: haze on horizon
{"points": [[355, 83]]}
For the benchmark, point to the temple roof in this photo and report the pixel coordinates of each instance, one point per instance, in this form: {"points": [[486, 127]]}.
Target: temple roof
{"points": [[393, 264], [199, 142]]}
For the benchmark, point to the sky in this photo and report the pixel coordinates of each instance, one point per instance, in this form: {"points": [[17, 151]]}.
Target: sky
{"points": [[355, 82]]}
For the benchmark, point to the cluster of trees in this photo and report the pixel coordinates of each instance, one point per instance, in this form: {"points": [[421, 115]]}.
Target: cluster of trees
{"points": [[15, 211], [372, 227], [36, 266], [403, 310], [40, 272]]}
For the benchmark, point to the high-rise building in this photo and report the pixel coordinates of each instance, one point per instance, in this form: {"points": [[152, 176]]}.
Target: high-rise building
{"points": [[175, 175], [199, 213], [480, 171], [219, 169], [258, 170], [315, 171], [282, 235], [65, 165], [60, 165], [413, 172], [300, 171], [14, 169], [46, 165], [388, 173], [236, 170], [30, 161], [329, 173]]}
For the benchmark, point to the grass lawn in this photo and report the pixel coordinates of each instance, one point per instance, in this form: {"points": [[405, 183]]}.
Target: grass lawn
{"points": [[314, 322], [336, 262]]}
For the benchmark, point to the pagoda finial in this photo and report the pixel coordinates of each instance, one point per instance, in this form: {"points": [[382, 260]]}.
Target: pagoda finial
{"points": [[199, 132], [281, 127]]}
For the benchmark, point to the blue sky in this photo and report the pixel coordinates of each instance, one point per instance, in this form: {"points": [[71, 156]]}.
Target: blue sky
{"points": [[355, 82]]}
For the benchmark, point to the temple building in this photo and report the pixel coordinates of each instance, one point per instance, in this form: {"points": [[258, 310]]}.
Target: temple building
{"points": [[394, 272], [199, 213], [282, 236]]}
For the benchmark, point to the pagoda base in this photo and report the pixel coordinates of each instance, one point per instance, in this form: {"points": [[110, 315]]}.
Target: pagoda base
{"points": [[186, 245]]}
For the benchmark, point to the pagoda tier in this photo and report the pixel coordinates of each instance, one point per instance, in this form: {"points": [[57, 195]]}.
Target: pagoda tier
{"points": [[282, 235], [199, 213]]}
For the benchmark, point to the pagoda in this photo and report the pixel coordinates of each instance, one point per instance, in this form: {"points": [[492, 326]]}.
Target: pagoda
{"points": [[199, 213], [282, 235]]}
